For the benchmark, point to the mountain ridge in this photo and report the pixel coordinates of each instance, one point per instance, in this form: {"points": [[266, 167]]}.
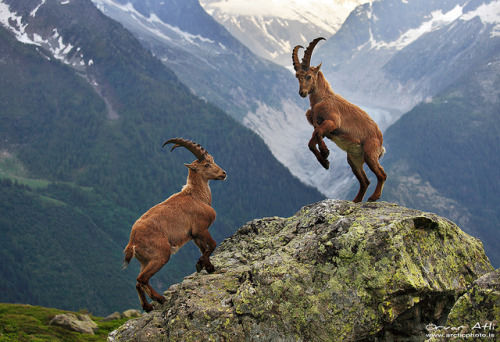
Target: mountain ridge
{"points": [[269, 29], [378, 78], [426, 47]]}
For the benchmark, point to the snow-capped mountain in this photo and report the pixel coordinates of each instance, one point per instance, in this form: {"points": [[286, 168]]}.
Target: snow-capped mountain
{"points": [[390, 55], [256, 92], [393, 54], [270, 28], [375, 60], [201, 52], [53, 41]]}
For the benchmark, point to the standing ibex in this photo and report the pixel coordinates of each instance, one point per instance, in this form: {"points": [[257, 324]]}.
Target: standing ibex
{"points": [[184, 216], [345, 124]]}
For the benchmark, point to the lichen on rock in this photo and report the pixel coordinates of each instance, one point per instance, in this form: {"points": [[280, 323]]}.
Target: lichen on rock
{"points": [[335, 271]]}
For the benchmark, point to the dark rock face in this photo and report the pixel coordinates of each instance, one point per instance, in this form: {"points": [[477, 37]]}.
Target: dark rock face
{"points": [[475, 315], [336, 271]]}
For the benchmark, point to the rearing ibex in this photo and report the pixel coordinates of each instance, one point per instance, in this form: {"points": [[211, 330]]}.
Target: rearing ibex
{"points": [[344, 123], [167, 226]]}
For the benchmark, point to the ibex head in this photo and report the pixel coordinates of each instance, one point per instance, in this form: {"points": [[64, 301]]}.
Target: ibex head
{"points": [[303, 71], [204, 163]]}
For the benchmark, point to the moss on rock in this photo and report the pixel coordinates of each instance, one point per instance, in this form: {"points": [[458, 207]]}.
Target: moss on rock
{"points": [[335, 271]]}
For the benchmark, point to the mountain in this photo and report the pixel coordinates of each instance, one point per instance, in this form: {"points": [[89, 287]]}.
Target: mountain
{"points": [[449, 165], [394, 54], [85, 109], [271, 29], [204, 56], [256, 92], [388, 56]]}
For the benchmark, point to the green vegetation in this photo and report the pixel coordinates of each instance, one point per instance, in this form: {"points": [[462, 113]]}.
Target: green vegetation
{"points": [[74, 180], [66, 248], [19, 323]]}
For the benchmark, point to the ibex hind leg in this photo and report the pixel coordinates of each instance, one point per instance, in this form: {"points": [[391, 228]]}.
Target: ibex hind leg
{"points": [[147, 271], [203, 248], [142, 298], [356, 164], [372, 160]]}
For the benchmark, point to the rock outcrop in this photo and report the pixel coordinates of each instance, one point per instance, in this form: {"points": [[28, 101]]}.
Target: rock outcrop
{"points": [[336, 271]]}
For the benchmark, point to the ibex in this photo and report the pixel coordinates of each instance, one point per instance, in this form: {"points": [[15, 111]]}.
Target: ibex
{"points": [[167, 226], [344, 123]]}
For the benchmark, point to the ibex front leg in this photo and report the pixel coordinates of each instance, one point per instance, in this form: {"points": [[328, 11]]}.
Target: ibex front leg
{"points": [[207, 245], [320, 131]]}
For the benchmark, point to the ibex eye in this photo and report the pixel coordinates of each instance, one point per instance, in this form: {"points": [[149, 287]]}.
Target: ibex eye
{"points": [[308, 77], [207, 165]]}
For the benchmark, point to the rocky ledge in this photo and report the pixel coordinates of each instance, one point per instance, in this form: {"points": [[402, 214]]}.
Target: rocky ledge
{"points": [[335, 271]]}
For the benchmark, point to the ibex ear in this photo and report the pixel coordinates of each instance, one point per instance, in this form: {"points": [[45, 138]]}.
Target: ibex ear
{"points": [[190, 166], [318, 67]]}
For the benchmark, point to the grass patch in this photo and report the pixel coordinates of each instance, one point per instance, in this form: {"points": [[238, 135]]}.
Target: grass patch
{"points": [[21, 323], [12, 168]]}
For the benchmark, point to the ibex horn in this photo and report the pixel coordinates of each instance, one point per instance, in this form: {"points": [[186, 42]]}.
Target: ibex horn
{"points": [[295, 57], [307, 54], [199, 152]]}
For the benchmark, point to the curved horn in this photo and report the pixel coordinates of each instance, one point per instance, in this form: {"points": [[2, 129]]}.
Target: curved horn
{"points": [[307, 54], [199, 152], [295, 57]]}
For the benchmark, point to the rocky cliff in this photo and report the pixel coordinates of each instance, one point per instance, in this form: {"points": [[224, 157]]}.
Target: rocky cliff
{"points": [[336, 271]]}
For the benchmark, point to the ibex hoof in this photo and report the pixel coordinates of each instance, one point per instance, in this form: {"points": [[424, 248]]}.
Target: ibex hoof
{"points": [[147, 307], [160, 299], [209, 268], [325, 163]]}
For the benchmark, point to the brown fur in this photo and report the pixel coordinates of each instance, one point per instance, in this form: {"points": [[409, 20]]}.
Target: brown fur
{"points": [[167, 226], [344, 123]]}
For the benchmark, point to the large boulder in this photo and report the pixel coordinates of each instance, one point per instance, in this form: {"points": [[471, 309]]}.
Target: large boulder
{"points": [[79, 323], [131, 313], [336, 271]]}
